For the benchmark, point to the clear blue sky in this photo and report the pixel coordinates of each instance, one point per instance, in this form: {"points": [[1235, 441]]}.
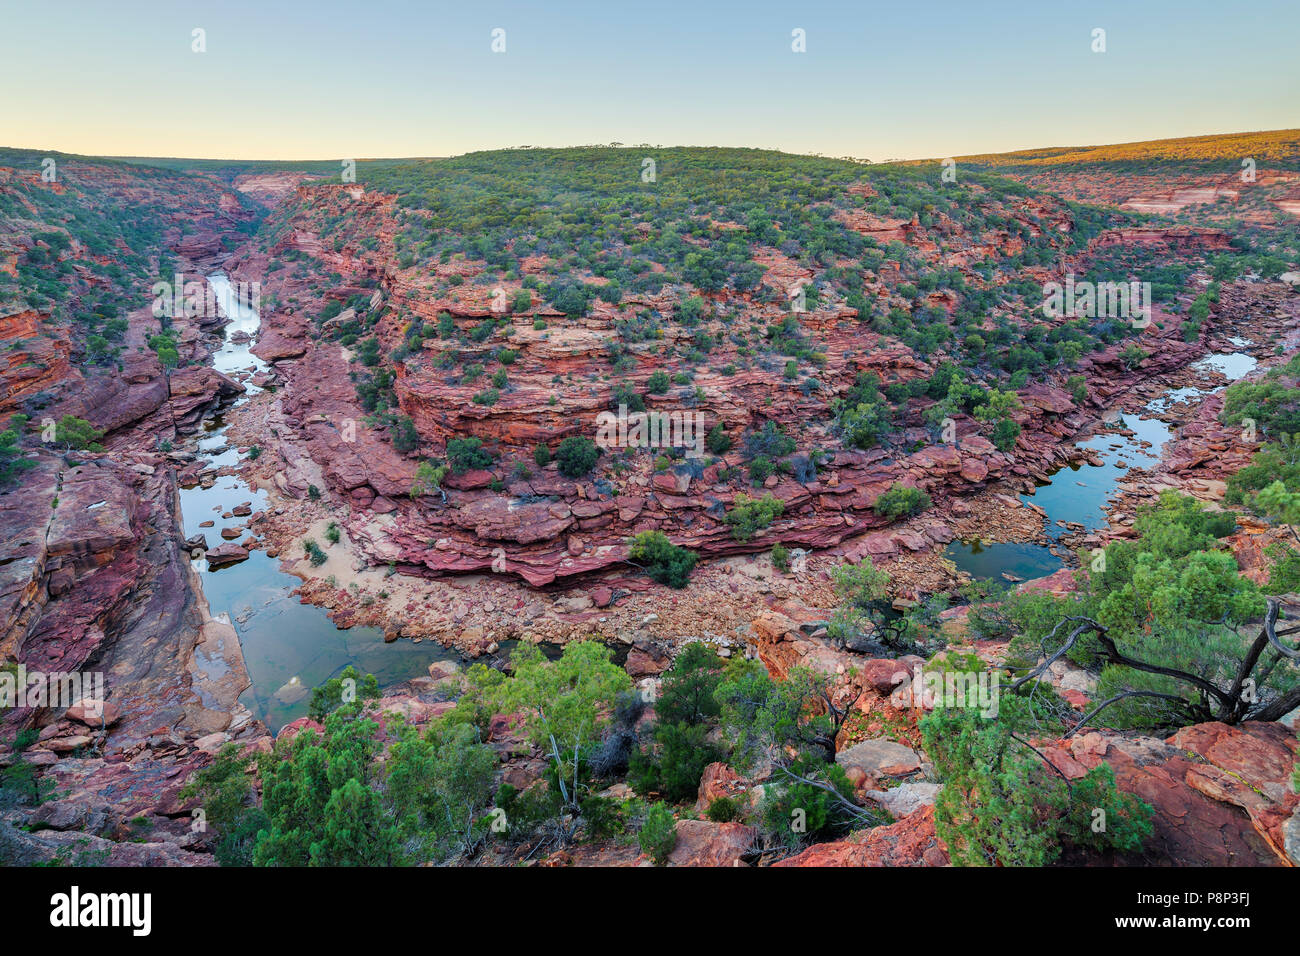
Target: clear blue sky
{"points": [[909, 79]]}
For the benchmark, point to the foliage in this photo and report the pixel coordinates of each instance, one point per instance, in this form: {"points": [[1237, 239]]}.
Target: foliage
{"points": [[901, 500], [428, 479], [440, 783], [685, 712], [73, 432], [658, 835], [1001, 804], [321, 796], [748, 516], [576, 456], [466, 454], [348, 688], [1169, 621], [225, 793], [664, 561], [564, 703]]}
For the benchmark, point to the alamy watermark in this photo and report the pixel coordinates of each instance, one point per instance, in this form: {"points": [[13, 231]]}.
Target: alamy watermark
{"points": [[24, 688], [676, 429], [1093, 300], [928, 689], [195, 299]]}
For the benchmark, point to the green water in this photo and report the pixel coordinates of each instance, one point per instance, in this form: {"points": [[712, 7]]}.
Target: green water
{"points": [[1023, 562]]}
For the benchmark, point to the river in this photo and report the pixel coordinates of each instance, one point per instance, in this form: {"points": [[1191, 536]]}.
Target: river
{"points": [[1079, 493], [289, 647]]}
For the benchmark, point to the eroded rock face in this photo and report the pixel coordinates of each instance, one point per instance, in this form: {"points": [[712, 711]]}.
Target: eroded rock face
{"points": [[101, 584], [103, 581], [1220, 793]]}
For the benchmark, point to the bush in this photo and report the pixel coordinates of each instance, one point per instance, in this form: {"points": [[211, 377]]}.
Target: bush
{"points": [[226, 795], [405, 437], [675, 764], [428, 479], [12, 458], [465, 454], [576, 455], [900, 500], [314, 553], [781, 557], [723, 810], [658, 834], [542, 455], [717, 440], [657, 383], [1001, 805], [797, 814], [603, 816], [332, 533], [664, 561], [1005, 434], [73, 432], [624, 395], [748, 516]]}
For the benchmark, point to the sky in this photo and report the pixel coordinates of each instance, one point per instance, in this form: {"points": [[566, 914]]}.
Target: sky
{"points": [[285, 79]]}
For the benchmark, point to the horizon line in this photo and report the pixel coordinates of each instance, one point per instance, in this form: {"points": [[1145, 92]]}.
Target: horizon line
{"points": [[124, 157]]}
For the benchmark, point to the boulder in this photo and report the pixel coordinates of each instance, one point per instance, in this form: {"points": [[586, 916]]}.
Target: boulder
{"points": [[879, 757], [704, 843]]}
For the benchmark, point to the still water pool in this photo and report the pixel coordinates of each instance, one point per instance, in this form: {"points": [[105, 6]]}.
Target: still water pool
{"points": [[1079, 493]]}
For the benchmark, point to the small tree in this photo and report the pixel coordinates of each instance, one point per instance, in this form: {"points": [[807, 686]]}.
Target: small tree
{"points": [[440, 782], [428, 479], [793, 724], [658, 835], [565, 703], [72, 432]]}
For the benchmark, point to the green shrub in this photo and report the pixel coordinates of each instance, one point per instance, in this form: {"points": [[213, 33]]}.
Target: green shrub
{"points": [[717, 440], [658, 834], [748, 516], [577, 455], [664, 561], [405, 437], [723, 810], [901, 500], [467, 454], [781, 557], [314, 553]]}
